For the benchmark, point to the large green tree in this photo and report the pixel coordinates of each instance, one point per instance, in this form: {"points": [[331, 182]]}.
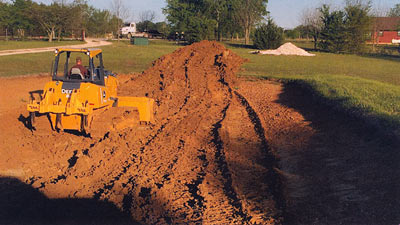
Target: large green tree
{"points": [[230, 24], [357, 25], [202, 19], [249, 13], [19, 16], [5, 17], [345, 30], [46, 16], [333, 36], [99, 22], [190, 17], [268, 36]]}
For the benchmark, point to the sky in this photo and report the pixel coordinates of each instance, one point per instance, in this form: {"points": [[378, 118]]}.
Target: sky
{"points": [[286, 13]]}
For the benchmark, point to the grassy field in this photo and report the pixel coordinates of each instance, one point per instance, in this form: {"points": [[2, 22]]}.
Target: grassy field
{"points": [[9, 45], [385, 69], [121, 57], [364, 86]]}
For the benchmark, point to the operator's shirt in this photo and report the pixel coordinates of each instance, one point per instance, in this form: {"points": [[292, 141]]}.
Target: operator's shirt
{"points": [[83, 70]]}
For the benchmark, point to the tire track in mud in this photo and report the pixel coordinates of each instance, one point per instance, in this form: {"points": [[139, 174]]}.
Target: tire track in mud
{"points": [[223, 166], [175, 120], [196, 202], [177, 171], [129, 162], [270, 161], [71, 161]]}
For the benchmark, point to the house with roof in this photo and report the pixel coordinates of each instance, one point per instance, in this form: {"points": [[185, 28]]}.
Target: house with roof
{"points": [[385, 29]]}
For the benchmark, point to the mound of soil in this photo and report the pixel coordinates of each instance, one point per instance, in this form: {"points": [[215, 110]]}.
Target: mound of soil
{"points": [[205, 159]]}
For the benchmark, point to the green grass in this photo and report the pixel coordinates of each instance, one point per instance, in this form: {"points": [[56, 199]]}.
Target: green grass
{"points": [[121, 57], [375, 102], [26, 64], [365, 87], [381, 69], [9, 45]]}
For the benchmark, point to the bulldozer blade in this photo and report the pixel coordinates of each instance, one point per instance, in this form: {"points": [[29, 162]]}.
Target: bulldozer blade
{"points": [[145, 107], [113, 119]]}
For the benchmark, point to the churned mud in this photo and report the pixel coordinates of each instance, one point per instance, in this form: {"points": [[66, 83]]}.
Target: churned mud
{"points": [[222, 150]]}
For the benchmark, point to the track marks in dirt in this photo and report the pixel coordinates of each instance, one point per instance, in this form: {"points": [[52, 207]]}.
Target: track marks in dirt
{"points": [[270, 161], [225, 172], [181, 169], [175, 117]]}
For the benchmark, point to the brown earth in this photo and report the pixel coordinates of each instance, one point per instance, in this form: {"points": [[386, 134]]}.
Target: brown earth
{"points": [[222, 151]]}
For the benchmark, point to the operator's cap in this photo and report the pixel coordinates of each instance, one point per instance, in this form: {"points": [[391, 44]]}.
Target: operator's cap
{"points": [[78, 58]]}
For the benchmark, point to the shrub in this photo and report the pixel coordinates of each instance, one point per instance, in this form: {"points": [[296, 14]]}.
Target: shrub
{"points": [[268, 36]]}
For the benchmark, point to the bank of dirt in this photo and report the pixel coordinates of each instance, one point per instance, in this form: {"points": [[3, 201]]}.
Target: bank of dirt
{"points": [[189, 167], [222, 150]]}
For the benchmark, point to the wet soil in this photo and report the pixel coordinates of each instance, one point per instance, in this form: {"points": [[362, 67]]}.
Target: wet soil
{"points": [[222, 150]]}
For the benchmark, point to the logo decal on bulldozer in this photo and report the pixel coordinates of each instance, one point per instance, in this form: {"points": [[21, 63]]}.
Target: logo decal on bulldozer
{"points": [[64, 91]]}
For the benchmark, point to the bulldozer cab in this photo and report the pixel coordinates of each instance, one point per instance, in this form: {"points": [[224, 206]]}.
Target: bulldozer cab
{"points": [[92, 61]]}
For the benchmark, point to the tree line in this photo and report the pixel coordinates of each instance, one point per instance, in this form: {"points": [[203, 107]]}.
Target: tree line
{"points": [[25, 17], [195, 20], [21, 18], [214, 19], [340, 30]]}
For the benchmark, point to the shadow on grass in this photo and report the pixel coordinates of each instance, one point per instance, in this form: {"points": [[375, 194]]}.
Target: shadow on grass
{"points": [[379, 123], [346, 173], [22, 204], [238, 45], [395, 58]]}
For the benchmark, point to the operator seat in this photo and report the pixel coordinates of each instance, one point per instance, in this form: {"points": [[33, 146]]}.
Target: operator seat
{"points": [[76, 74]]}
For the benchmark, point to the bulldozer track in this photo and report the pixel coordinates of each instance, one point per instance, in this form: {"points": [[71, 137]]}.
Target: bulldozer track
{"points": [[270, 161], [101, 193]]}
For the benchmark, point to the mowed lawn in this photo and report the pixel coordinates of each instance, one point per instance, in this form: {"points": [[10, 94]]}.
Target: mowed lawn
{"points": [[385, 69], [121, 57], [10, 45]]}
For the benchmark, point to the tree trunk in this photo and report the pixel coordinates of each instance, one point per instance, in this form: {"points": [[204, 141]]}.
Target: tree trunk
{"points": [[315, 42], [218, 27], [50, 33], [7, 34], [59, 35], [247, 35]]}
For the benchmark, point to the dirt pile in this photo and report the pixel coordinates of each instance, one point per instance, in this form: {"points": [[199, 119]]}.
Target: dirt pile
{"points": [[286, 49], [205, 160]]}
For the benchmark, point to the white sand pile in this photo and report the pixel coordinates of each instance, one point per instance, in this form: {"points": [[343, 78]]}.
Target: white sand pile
{"points": [[285, 49]]}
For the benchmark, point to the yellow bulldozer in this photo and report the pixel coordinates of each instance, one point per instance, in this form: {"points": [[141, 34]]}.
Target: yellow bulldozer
{"points": [[85, 102]]}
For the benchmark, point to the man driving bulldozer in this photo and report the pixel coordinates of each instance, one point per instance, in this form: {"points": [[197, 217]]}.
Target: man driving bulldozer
{"points": [[78, 69]]}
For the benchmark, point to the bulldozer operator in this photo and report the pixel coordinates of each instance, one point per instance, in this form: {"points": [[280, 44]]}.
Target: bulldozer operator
{"points": [[78, 69]]}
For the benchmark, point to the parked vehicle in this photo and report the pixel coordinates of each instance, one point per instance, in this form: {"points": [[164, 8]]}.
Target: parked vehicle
{"points": [[128, 30]]}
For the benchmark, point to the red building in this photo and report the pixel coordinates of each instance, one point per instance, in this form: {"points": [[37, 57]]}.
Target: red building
{"points": [[385, 29]]}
